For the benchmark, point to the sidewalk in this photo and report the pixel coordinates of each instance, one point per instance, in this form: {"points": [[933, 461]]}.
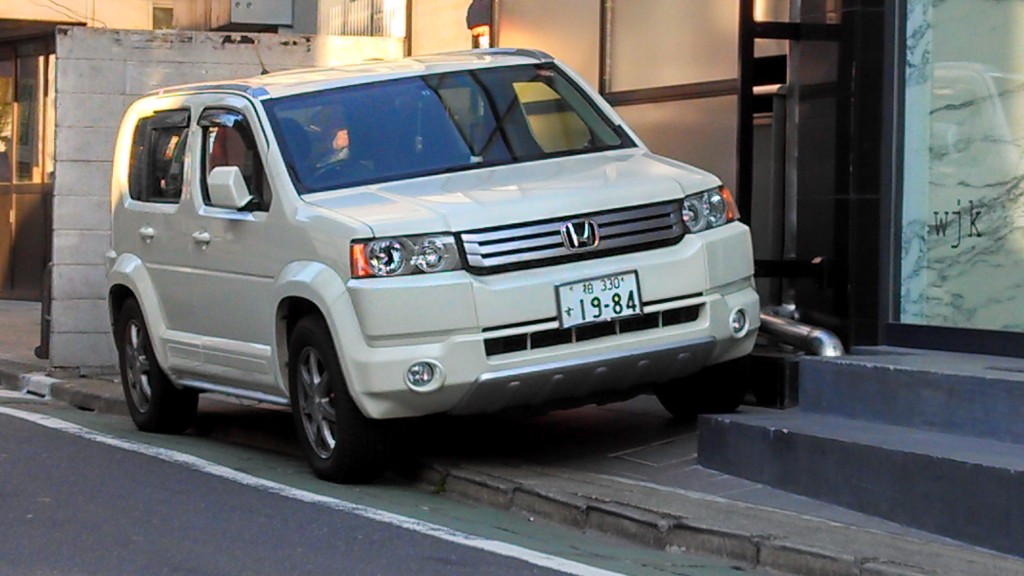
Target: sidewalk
{"points": [[624, 469]]}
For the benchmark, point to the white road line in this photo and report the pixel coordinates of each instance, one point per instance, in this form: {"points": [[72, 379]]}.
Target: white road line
{"points": [[493, 546]]}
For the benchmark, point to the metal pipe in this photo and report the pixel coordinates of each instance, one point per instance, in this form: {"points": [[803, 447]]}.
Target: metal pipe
{"points": [[811, 339]]}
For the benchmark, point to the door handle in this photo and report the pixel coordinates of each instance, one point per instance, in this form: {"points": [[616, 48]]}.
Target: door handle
{"points": [[201, 237], [147, 233]]}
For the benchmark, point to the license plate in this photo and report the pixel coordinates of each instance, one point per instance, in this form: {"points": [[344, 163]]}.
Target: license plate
{"points": [[598, 299]]}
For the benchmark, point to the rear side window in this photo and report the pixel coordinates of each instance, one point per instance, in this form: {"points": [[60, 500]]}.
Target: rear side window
{"points": [[158, 157]]}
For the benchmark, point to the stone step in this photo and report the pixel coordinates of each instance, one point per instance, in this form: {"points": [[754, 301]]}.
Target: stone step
{"points": [[965, 488], [964, 394]]}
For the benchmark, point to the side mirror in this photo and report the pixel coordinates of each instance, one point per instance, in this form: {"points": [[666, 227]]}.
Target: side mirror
{"points": [[227, 188]]}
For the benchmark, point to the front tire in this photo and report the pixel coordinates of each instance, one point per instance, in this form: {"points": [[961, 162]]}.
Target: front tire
{"points": [[340, 443], [716, 389], [154, 403]]}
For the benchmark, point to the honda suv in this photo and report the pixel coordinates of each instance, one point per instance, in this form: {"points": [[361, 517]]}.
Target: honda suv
{"points": [[460, 234]]}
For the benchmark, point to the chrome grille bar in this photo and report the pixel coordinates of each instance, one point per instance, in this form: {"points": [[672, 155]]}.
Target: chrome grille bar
{"points": [[532, 244]]}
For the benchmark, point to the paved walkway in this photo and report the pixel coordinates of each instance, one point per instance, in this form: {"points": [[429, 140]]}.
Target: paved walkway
{"points": [[626, 469]]}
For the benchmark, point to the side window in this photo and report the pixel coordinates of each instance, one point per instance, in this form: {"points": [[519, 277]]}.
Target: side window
{"points": [[228, 141], [158, 157]]}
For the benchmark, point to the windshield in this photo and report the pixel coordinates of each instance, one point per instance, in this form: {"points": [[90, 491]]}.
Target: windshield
{"points": [[438, 123]]}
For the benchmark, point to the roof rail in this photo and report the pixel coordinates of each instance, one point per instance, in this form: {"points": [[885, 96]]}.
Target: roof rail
{"points": [[525, 52], [254, 91]]}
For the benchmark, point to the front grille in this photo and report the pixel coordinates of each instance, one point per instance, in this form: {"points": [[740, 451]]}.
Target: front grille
{"points": [[540, 243], [559, 336]]}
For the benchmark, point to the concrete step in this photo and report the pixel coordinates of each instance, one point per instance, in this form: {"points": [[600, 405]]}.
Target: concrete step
{"points": [[965, 488], [964, 394]]}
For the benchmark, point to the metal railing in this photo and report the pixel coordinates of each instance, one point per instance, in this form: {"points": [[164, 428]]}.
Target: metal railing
{"points": [[363, 18], [811, 339]]}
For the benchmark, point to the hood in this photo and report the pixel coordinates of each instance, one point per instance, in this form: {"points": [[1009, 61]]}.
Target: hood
{"points": [[502, 195]]}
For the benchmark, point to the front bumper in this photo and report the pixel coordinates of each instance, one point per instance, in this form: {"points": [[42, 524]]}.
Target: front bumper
{"points": [[498, 341], [611, 365]]}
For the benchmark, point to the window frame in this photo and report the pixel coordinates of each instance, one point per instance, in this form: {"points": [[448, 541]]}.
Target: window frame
{"points": [[219, 116], [160, 120]]}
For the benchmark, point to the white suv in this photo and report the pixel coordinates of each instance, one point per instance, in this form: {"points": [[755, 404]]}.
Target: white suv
{"points": [[459, 234]]}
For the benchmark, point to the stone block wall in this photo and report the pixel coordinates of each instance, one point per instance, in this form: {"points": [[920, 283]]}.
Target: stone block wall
{"points": [[99, 73]]}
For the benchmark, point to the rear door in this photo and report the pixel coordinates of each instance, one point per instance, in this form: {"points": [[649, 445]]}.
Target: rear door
{"points": [[152, 224]]}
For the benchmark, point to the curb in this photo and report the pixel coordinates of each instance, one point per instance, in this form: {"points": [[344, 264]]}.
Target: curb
{"points": [[747, 535], [648, 528], [85, 399], [775, 547]]}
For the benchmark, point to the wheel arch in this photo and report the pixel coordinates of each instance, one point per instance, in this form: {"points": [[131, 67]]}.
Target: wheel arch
{"points": [[310, 288], [128, 279]]}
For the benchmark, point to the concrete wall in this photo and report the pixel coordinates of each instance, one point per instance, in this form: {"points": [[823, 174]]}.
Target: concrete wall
{"points": [[99, 73]]}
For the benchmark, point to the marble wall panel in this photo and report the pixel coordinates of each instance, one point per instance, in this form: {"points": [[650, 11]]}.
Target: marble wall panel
{"points": [[963, 217]]}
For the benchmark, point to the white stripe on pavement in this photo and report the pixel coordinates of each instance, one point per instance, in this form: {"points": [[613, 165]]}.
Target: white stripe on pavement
{"points": [[455, 536]]}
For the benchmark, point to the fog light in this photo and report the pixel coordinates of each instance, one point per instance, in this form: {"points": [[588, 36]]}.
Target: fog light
{"points": [[424, 376], [738, 323]]}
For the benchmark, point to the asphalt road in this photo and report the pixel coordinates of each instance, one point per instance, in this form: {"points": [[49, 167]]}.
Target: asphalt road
{"points": [[84, 493], [73, 506]]}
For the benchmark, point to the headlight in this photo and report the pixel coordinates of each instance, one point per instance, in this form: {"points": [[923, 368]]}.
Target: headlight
{"points": [[709, 209], [402, 256]]}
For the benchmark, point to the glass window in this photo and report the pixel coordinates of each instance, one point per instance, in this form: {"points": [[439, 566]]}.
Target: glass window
{"points": [[158, 157], [163, 18], [963, 182], [29, 129], [437, 123], [6, 116], [50, 119], [229, 142]]}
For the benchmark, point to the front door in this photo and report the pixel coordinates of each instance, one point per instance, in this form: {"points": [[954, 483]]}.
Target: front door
{"points": [[232, 252]]}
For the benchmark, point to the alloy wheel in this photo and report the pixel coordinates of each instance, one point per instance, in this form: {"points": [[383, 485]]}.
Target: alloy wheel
{"points": [[316, 407], [137, 366]]}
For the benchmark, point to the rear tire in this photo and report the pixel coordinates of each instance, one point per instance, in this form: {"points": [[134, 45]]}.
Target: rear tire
{"points": [[717, 389], [154, 403], [340, 443]]}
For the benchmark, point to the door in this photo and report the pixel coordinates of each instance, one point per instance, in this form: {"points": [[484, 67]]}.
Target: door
{"points": [[26, 167], [152, 224], [231, 253]]}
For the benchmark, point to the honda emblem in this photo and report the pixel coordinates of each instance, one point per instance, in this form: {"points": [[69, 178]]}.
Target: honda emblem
{"points": [[580, 234]]}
